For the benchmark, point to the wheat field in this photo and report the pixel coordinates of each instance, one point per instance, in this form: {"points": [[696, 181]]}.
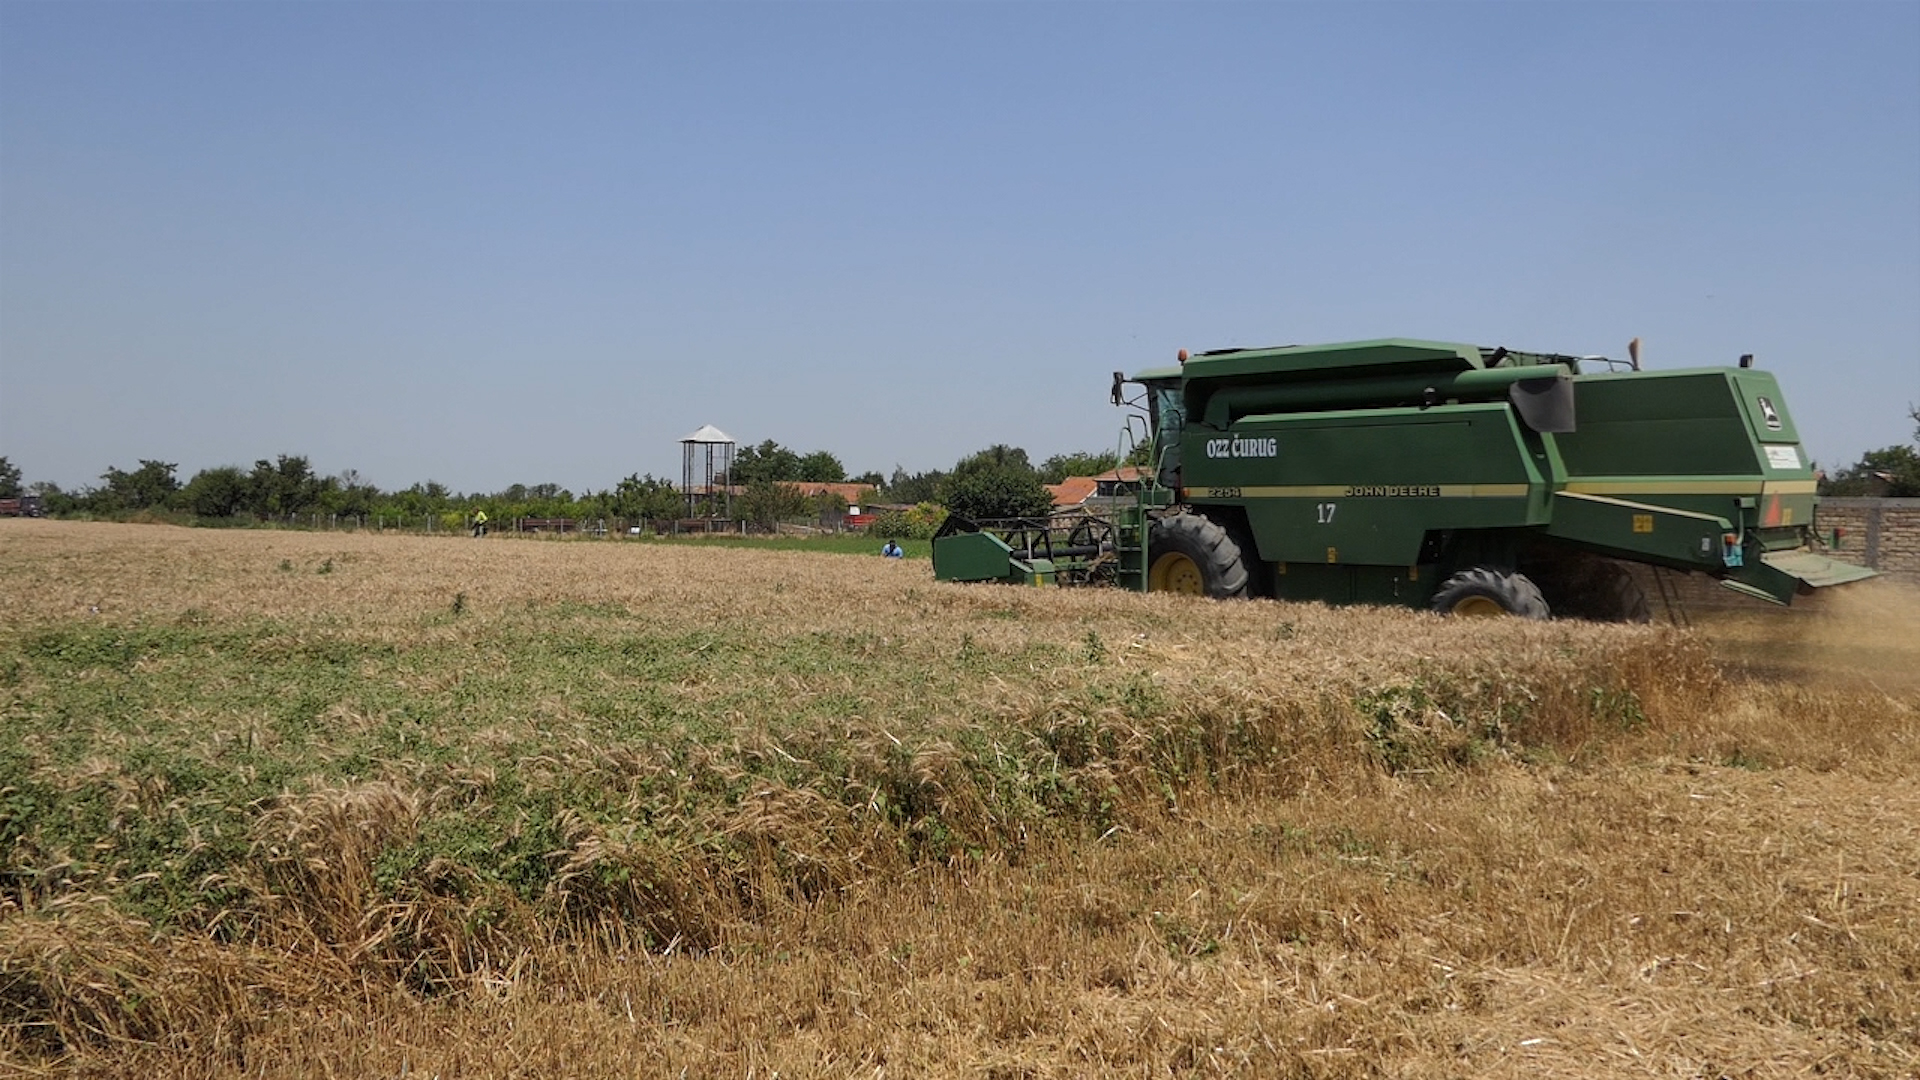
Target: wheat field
{"points": [[351, 805]]}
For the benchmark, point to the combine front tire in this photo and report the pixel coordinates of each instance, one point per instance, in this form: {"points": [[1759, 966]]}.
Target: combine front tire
{"points": [[1193, 555], [1484, 592]]}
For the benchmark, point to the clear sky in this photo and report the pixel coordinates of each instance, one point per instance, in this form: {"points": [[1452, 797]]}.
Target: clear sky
{"points": [[539, 242]]}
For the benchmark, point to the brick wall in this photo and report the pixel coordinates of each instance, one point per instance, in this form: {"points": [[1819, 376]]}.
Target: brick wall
{"points": [[1881, 533]]}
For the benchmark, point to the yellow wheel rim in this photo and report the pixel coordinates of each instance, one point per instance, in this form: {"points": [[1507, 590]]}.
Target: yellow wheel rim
{"points": [[1478, 607], [1175, 573]]}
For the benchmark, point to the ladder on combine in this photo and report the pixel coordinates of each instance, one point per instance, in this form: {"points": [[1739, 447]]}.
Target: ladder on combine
{"points": [[1130, 544], [1131, 523]]}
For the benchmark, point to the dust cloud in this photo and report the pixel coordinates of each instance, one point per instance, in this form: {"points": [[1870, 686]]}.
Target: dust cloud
{"points": [[1863, 636]]}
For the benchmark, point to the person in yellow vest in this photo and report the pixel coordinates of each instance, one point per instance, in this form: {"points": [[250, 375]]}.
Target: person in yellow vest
{"points": [[479, 523]]}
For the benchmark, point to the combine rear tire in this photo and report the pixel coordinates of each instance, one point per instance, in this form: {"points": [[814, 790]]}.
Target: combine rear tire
{"points": [[1603, 591], [1482, 592], [1193, 555]]}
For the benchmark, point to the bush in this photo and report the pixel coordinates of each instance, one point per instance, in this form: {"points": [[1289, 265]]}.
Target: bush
{"points": [[916, 523], [766, 504]]}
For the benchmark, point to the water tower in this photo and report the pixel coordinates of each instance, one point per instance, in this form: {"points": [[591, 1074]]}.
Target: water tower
{"points": [[706, 456]]}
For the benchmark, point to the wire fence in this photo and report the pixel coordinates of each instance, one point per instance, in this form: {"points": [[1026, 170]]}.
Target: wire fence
{"points": [[532, 527]]}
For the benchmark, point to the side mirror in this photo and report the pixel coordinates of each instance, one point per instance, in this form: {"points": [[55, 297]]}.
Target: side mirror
{"points": [[1119, 380]]}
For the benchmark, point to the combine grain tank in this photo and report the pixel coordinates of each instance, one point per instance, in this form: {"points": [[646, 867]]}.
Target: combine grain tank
{"points": [[1465, 479]]}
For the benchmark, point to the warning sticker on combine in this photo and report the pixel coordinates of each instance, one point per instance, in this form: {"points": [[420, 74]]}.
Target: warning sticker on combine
{"points": [[1783, 457]]}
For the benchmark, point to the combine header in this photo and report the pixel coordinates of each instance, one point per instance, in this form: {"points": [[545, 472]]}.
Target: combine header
{"points": [[1067, 549], [1462, 479]]}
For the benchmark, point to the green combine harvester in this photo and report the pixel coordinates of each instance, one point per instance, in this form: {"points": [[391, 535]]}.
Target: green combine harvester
{"points": [[1466, 480]]}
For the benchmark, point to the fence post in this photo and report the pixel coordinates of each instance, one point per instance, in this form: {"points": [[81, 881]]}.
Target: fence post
{"points": [[1873, 536]]}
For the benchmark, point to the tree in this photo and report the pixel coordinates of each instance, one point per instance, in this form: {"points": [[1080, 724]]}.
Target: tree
{"points": [[547, 500], [642, 498], [9, 479], [998, 482], [821, 467], [218, 492], [871, 478], [286, 485], [149, 487], [769, 461], [912, 488], [1893, 471], [1060, 466], [418, 500], [350, 495]]}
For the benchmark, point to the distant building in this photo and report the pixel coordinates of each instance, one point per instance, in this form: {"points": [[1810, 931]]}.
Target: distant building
{"points": [[1118, 483], [856, 495]]}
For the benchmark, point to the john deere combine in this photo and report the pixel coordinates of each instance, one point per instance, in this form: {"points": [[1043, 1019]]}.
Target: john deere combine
{"points": [[1464, 479]]}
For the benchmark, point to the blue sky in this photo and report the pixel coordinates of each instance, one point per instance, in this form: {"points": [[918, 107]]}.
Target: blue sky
{"points": [[539, 242]]}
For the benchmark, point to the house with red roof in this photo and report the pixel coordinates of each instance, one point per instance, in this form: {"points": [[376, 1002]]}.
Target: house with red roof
{"points": [[1113, 484]]}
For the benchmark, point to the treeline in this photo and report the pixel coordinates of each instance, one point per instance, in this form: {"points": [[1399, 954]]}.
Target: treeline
{"points": [[288, 488], [999, 481]]}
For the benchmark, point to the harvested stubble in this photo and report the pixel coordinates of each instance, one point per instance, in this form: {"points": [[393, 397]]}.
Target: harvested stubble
{"points": [[334, 805]]}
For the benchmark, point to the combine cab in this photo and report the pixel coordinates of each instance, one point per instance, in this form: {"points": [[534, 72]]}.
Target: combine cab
{"points": [[1463, 479]]}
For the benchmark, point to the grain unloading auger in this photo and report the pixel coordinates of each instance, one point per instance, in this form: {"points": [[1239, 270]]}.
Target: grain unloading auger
{"points": [[1463, 479]]}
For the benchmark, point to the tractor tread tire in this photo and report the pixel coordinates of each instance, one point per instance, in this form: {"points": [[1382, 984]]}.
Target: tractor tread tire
{"points": [[1595, 589], [1515, 593], [1612, 595], [1222, 566]]}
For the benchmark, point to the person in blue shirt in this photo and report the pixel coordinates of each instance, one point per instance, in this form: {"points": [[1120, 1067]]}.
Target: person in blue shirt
{"points": [[892, 550]]}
